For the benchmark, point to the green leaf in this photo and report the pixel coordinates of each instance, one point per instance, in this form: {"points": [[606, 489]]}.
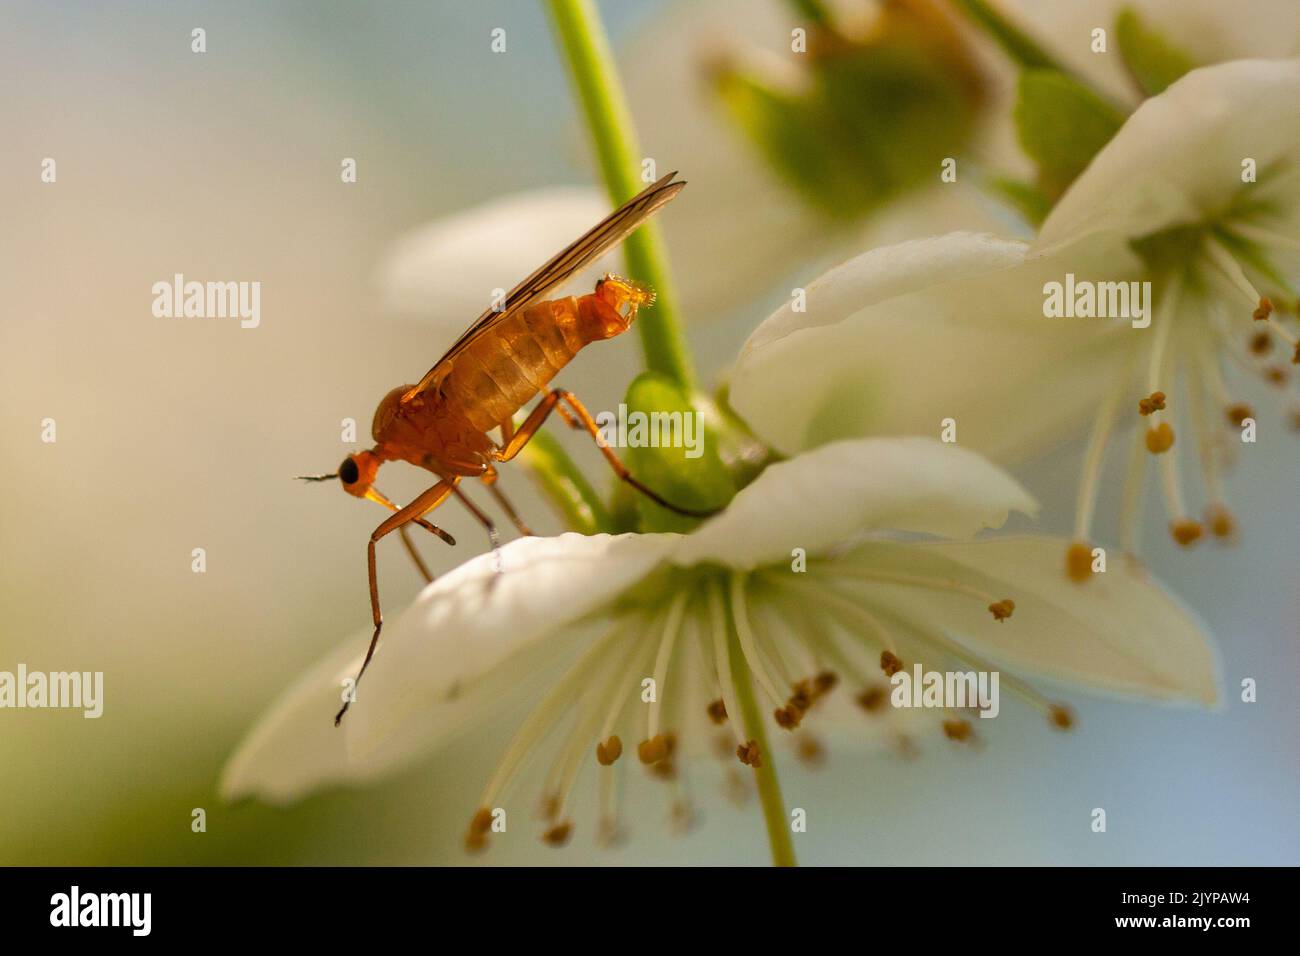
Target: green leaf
{"points": [[1027, 198], [1062, 125], [1152, 60], [686, 469]]}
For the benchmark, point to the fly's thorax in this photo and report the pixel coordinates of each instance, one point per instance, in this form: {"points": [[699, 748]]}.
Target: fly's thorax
{"points": [[387, 411]]}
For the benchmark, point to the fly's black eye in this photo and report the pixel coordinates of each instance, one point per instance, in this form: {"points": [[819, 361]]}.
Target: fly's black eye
{"points": [[348, 472]]}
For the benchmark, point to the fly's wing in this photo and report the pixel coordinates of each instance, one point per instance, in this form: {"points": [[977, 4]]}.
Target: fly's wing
{"points": [[594, 243]]}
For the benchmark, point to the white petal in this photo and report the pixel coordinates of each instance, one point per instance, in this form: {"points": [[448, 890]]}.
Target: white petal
{"points": [[447, 269], [832, 494], [1178, 157], [898, 339], [1209, 31], [295, 748], [476, 639], [1119, 631]]}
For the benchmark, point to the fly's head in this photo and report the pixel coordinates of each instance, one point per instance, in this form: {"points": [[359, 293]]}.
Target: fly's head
{"points": [[356, 474]]}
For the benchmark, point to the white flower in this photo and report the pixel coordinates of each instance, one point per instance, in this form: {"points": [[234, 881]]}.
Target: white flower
{"points": [[719, 619], [1164, 202], [1207, 31]]}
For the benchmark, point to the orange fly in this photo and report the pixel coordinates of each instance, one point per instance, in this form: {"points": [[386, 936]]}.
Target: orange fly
{"points": [[504, 360]]}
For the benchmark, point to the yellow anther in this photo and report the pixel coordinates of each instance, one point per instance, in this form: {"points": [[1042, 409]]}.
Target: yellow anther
{"points": [[1186, 531], [960, 730], [653, 750], [1220, 521], [1078, 561], [749, 754], [1264, 311], [889, 663], [1160, 438], [609, 751], [1237, 414], [1156, 403], [1062, 717], [1001, 610], [559, 834]]}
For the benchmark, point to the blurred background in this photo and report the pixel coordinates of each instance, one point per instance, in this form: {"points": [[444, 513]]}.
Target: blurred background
{"points": [[179, 434]]}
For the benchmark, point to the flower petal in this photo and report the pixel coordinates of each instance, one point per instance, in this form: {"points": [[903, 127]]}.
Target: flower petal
{"points": [[476, 637], [900, 338], [832, 494], [446, 270], [295, 748], [1119, 631], [1178, 158]]}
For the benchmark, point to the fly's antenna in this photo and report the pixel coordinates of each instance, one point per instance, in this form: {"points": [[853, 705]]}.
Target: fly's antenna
{"points": [[315, 477]]}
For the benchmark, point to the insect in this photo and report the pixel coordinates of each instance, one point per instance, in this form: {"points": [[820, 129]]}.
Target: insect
{"points": [[443, 423]]}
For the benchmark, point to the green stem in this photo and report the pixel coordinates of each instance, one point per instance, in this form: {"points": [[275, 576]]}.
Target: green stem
{"points": [[769, 787], [1018, 45], [565, 486], [591, 65]]}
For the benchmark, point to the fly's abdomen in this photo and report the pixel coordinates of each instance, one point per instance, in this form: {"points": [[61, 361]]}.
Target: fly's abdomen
{"points": [[500, 372]]}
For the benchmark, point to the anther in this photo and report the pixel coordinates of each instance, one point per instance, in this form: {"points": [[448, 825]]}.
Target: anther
{"points": [[1237, 414], [749, 754], [1156, 403], [1277, 374], [609, 751], [825, 682], [559, 834], [1160, 438], [1062, 717], [1001, 610], [787, 717], [811, 752], [665, 769], [718, 711], [1295, 356], [1220, 521], [871, 699], [653, 750], [1264, 311], [1186, 531], [960, 730], [889, 663], [1078, 561], [1260, 343]]}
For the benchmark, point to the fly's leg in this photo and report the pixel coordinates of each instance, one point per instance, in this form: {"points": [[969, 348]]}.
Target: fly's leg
{"points": [[426, 502], [415, 555], [489, 478], [549, 404], [375, 495], [494, 539]]}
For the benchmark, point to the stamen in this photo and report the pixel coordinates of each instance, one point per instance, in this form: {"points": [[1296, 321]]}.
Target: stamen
{"points": [[1093, 461], [745, 634], [1220, 521], [1078, 562], [559, 834], [935, 584], [749, 754], [542, 719], [1186, 531], [1265, 236], [959, 730], [1160, 438], [1001, 610], [1238, 413], [718, 711], [811, 752], [671, 628], [722, 659], [1261, 343], [871, 699], [1130, 515], [609, 751], [1156, 403], [890, 664]]}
